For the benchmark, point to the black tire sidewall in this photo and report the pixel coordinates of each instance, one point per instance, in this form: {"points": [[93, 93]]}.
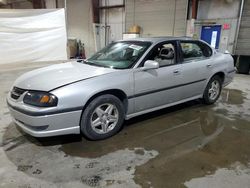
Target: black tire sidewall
{"points": [[206, 98], [86, 117]]}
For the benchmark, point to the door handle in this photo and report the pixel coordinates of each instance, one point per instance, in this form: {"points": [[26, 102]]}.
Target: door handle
{"points": [[176, 72], [209, 65]]}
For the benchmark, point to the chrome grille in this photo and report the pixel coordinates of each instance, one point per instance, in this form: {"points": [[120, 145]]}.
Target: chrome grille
{"points": [[16, 92]]}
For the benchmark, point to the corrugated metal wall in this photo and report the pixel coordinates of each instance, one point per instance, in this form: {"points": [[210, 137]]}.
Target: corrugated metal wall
{"points": [[243, 42], [157, 17]]}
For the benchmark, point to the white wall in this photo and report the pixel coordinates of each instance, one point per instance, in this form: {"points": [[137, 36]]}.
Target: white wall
{"points": [[80, 23], [79, 19], [219, 12], [214, 9], [227, 38], [20, 4], [50, 4], [157, 17]]}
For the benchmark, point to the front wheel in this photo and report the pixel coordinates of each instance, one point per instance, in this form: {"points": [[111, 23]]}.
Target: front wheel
{"points": [[213, 90], [103, 117]]}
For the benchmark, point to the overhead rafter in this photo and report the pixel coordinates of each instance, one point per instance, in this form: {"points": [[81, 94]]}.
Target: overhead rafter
{"points": [[194, 8], [112, 6], [38, 4], [96, 13]]}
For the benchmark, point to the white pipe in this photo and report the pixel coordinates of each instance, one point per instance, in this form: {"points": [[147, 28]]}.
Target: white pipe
{"points": [[66, 17]]}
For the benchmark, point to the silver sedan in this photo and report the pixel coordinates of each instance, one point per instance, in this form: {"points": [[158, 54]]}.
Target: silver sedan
{"points": [[125, 79]]}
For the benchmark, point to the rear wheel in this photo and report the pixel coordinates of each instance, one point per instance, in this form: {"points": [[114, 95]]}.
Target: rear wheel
{"points": [[213, 90], [103, 117]]}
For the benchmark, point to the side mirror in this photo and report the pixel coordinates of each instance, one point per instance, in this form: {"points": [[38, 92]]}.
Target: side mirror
{"points": [[149, 64]]}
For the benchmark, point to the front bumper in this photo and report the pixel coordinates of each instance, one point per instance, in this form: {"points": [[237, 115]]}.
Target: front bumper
{"points": [[46, 125]]}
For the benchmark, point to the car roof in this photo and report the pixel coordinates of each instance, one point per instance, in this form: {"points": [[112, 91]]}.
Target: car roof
{"points": [[158, 39]]}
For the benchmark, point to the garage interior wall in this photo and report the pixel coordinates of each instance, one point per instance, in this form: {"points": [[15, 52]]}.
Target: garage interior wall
{"points": [[113, 19], [80, 23], [79, 18], [214, 9], [214, 12], [157, 17], [20, 4]]}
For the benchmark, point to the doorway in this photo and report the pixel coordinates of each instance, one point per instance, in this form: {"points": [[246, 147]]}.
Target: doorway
{"points": [[211, 34]]}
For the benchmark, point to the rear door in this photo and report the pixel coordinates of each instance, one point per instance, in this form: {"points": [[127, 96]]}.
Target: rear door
{"points": [[196, 67]]}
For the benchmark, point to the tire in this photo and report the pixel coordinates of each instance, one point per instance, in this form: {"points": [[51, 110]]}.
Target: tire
{"points": [[243, 66], [103, 117], [208, 98]]}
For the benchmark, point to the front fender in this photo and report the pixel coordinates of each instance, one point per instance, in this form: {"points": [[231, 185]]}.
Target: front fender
{"points": [[77, 94]]}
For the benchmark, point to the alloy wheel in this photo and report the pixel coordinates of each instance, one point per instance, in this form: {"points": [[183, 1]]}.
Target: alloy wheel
{"points": [[214, 90], [104, 118]]}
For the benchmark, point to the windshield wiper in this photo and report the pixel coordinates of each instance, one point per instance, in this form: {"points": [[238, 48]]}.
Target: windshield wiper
{"points": [[94, 64], [80, 60]]}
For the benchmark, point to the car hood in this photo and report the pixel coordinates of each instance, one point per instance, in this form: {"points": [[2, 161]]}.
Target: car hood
{"points": [[51, 77]]}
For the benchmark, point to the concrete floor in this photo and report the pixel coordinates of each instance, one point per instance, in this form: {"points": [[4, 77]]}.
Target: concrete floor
{"points": [[189, 145]]}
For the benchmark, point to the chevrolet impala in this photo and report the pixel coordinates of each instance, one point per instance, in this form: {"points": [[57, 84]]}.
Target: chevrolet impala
{"points": [[125, 79]]}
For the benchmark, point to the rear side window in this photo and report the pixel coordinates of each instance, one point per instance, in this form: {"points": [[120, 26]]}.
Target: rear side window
{"points": [[194, 50]]}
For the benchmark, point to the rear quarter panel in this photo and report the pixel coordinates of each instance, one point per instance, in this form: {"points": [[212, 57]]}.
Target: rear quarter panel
{"points": [[222, 63]]}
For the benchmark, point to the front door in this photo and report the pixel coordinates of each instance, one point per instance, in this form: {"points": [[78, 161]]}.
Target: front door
{"points": [[157, 87]]}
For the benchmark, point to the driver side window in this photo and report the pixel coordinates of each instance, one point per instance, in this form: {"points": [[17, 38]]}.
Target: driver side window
{"points": [[164, 54]]}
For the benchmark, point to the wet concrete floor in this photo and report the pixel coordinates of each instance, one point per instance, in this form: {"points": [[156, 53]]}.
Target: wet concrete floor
{"points": [[167, 148]]}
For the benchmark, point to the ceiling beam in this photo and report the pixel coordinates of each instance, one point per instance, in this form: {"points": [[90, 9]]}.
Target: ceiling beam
{"points": [[96, 12], [194, 8], [38, 4], [112, 6]]}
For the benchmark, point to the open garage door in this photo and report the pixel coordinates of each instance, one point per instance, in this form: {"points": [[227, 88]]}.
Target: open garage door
{"points": [[243, 42], [32, 35]]}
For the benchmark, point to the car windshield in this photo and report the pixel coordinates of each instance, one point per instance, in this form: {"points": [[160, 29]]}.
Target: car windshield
{"points": [[119, 55]]}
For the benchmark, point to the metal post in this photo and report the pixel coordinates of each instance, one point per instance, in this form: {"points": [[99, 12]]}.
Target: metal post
{"points": [[105, 23], [66, 17], [174, 18], [238, 25]]}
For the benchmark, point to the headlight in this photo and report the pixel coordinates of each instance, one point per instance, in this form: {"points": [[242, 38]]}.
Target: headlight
{"points": [[41, 99]]}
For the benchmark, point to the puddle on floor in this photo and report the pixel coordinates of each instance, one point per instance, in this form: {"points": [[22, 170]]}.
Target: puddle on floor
{"points": [[232, 96], [234, 104], [167, 148], [223, 147], [237, 175]]}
